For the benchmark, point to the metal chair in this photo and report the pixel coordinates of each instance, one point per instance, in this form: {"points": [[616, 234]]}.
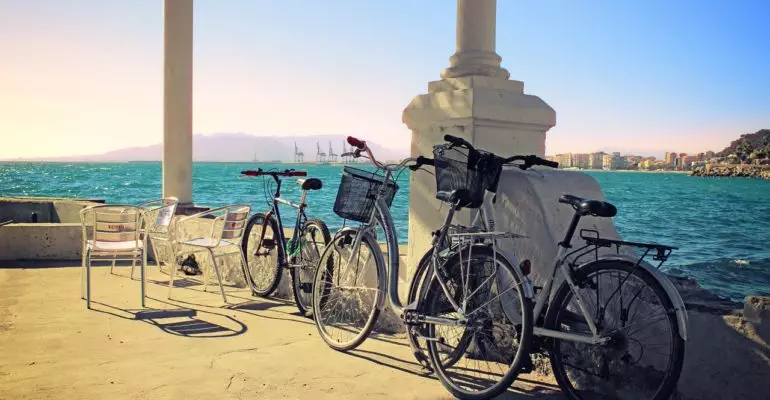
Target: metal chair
{"points": [[223, 239], [112, 233], [157, 225]]}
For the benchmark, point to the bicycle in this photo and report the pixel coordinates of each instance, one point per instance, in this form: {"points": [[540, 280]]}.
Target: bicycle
{"points": [[562, 326], [267, 250], [345, 313]]}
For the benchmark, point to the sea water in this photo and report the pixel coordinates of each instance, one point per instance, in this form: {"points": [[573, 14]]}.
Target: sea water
{"points": [[721, 225]]}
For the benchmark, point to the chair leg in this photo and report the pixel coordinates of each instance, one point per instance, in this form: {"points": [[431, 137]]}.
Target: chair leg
{"points": [[112, 269], [247, 273], [171, 276], [88, 280], [83, 275], [142, 274], [205, 275], [133, 265], [219, 276], [155, 254]]}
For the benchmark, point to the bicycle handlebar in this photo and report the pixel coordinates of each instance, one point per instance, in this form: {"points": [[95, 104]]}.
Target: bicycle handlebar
{"points": [[458, 141], [531, 160], [420, 161], [260, 172]]}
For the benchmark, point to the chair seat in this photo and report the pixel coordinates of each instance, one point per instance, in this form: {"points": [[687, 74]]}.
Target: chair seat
{"points": [[209, 242], [127, 245]]}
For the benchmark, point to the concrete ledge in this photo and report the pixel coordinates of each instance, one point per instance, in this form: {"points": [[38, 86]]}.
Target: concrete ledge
{"points": [[46, 241], [46, 209]]}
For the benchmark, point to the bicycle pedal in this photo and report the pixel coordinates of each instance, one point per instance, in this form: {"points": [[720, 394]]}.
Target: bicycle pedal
{"points": [[306, 287]]}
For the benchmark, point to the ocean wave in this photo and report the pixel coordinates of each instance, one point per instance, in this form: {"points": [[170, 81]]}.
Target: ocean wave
{"points": [[728, 277]]}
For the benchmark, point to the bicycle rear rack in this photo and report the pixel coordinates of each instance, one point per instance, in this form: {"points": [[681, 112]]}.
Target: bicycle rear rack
{"points": [[594, 242], [461, 235]]}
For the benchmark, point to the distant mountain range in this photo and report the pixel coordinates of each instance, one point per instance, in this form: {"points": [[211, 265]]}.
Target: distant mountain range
{"points": [[228, 147]]}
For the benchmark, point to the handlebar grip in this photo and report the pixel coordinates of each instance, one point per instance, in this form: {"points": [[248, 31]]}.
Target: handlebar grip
{"points": [[251, 173], [568, 199], [552, 164], [357, 143], [426, 161], [457, 141], [420, 161]]}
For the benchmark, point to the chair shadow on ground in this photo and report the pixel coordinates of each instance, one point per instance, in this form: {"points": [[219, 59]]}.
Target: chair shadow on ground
{"points": [[540, 390], [257, 308], [178, 322]]}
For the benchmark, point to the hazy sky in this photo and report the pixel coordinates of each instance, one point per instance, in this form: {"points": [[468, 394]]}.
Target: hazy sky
{"points": [[85, 76]]}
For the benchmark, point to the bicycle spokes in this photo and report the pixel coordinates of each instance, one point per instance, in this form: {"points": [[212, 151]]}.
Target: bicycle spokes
{"points": [[637, 358]]}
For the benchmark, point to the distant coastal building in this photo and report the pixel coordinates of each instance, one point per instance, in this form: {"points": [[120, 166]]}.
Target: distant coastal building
{"points": [[613, 161], [581, 160], [670, 158], [595, 161], [564, 160], [616, 161], [607, 161]]}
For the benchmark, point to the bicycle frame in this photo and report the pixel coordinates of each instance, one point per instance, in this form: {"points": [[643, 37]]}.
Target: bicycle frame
{"points": [[274, 210], [485, 216]]}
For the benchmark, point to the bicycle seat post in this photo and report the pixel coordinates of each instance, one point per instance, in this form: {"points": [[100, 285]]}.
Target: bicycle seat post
{"points": [[570, 231]]}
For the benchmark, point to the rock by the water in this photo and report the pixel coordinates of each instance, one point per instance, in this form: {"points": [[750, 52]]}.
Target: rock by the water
{"points": [[696, 298], [733, 170], [756, 309]]}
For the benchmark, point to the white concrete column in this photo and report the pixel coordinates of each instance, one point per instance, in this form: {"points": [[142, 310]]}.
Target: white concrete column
{"points": [[177, 99], [475, 54], [476, 101]]}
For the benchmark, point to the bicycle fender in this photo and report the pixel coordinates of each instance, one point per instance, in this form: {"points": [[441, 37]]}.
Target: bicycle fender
{"points": [[673, 294]]}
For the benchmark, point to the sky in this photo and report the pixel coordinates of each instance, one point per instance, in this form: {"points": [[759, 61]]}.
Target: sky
{"points": [[85, 76]]}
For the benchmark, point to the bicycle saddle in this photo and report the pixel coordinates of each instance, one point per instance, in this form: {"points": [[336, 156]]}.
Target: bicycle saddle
{"points": [[311, 184], [589, 207], [452, 197]]}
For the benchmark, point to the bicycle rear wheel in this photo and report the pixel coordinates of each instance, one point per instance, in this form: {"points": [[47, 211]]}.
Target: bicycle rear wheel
{"points": [[346, 290], [264, 258], [644, 357], [495, 338], [312, 242]]}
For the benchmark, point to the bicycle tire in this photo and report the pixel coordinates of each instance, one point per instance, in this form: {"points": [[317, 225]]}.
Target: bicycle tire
{"points": [[556, 311], [272, 274], [302, 276], [417, 290], [523, 332], [323, 287]]}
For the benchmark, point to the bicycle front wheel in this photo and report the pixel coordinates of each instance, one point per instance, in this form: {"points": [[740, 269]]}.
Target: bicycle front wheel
{"points": [[312, 242], [644, 356], [415, 333], [488, 348], [346, 290], [263, 253]]}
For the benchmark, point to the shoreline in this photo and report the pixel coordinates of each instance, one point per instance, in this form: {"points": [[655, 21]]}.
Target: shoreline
{"points": [[626, 170]]}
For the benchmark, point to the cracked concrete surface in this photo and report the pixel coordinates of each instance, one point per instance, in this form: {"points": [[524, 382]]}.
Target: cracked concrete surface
{"points": [[51, 347]]}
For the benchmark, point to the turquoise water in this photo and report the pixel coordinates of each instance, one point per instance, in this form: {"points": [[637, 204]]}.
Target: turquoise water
{"points": [[720, 224]]}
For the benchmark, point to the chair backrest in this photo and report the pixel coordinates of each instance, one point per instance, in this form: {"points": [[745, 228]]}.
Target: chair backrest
{"points": [[112, 223], [159, 214], [234, 222]]}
